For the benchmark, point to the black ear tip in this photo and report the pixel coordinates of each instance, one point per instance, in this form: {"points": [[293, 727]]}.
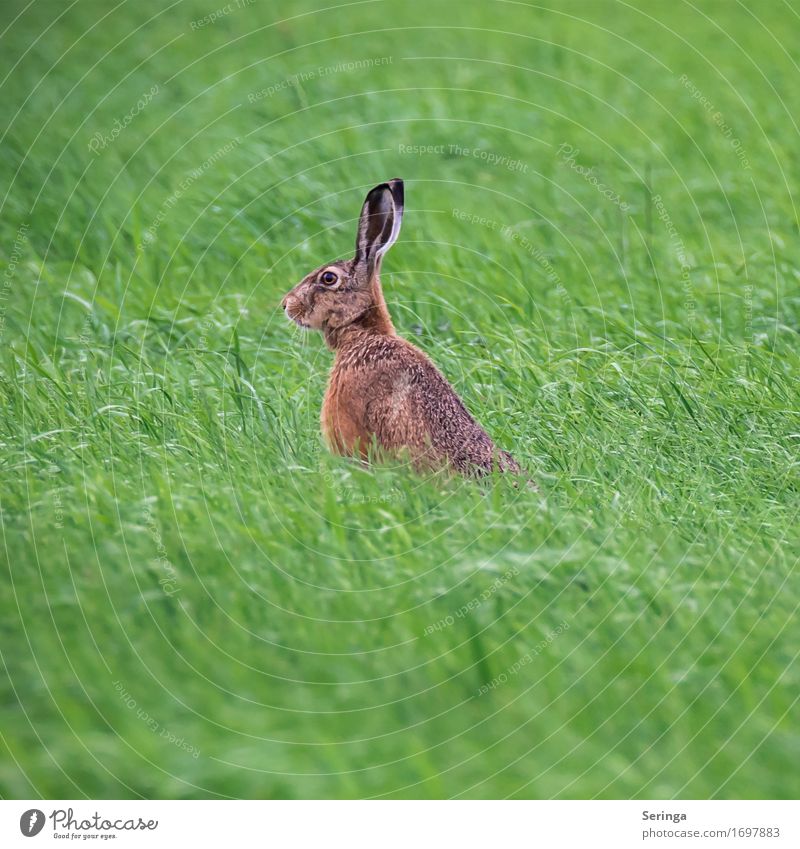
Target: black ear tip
{"points": [[398, 190], [395, 188]]}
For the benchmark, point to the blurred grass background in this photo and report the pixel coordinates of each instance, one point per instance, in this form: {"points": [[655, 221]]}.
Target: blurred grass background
{"points": [[199, 602]]}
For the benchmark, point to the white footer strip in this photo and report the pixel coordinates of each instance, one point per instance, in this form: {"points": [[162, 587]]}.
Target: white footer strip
{"points": [[402, 824]]}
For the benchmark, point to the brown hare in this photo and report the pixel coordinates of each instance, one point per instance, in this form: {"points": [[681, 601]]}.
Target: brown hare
{"points": [[383, 390]]}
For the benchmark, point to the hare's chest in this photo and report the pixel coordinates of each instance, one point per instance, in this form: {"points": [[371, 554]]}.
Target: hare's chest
{"points": [[343, 416]]}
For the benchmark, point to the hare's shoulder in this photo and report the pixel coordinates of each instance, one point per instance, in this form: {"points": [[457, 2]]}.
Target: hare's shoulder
{"points": [[393, 367], [379, 352], [367, 380], [387, 365], [386, 362]]}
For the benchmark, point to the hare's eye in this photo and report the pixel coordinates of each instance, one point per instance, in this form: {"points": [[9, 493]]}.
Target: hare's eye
{"points": [[329, 277]]}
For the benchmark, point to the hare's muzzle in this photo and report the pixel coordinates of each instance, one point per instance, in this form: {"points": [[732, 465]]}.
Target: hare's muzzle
{"points": [[293, 307]]}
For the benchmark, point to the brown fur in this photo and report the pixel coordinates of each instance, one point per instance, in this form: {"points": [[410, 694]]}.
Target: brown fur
{"points": [[382, 390]]}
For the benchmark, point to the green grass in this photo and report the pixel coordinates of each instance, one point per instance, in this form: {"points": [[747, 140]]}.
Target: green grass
{"points": [[198, 601]]}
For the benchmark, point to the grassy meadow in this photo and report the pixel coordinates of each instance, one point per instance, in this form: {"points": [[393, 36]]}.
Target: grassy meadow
{"points": [[599, 251]]}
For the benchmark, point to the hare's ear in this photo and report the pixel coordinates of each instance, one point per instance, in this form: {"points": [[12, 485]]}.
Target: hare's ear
{"points": [[379, 224]]}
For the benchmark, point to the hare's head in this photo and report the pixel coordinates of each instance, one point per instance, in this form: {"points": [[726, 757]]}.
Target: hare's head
{"points": [[339, 293]]}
